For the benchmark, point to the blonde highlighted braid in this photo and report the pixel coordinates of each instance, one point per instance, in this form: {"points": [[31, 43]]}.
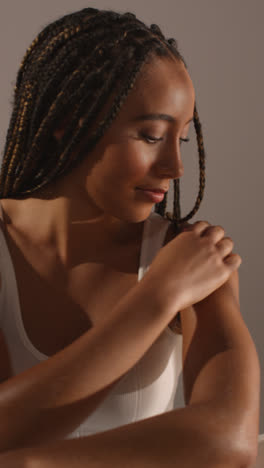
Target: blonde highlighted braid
{"points": [[73, 65]]}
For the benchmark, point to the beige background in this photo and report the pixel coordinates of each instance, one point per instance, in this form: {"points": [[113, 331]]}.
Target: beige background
{"points": [[222, 43]]}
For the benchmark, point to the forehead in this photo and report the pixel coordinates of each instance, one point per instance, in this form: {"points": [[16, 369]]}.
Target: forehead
{"points": [[164, 85]]}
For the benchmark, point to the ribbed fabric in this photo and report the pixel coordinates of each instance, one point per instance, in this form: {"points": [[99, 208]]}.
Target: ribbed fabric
{"points": [[146, 390]]}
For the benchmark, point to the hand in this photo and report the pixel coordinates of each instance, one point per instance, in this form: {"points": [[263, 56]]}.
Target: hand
{"points": [[196, 262], [227, 293]]}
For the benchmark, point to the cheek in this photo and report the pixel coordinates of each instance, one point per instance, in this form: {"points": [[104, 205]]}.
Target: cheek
{"points": [[126, 163]]}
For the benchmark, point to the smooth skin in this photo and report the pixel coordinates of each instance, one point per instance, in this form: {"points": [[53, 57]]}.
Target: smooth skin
{"points": [[97, 204]]}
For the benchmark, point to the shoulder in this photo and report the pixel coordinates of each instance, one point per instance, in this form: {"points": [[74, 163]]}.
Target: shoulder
{"points": [[170, 233], [185, 326], [184, 323], [175, 324]]}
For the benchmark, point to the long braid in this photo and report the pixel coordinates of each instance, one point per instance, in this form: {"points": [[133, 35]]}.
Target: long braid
{"points": [[176, 215], [73, 67]]}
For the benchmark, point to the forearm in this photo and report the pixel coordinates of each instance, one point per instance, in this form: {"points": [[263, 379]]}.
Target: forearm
{"points": [[230, 380], [52, 398], [232, 391], [181, 437]]}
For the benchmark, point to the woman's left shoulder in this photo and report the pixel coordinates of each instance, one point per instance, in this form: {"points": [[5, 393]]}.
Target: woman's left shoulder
{"points": [[171, 232]]}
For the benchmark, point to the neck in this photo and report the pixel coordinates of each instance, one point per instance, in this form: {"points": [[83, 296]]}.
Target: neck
{"points": [[59, 226]]}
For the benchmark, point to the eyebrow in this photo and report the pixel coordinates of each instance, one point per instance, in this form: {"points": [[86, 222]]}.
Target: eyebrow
{"points": [[166, 117]]}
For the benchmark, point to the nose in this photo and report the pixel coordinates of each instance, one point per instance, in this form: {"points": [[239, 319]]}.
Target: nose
{"points": [[170, 163]]}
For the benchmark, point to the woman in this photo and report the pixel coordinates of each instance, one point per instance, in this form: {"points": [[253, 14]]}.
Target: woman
{"points": [[83, 146]]}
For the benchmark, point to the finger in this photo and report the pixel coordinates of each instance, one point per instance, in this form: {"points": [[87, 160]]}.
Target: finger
{"points": [[215, 232], [225, 246], [200, 226], [233, 261]]}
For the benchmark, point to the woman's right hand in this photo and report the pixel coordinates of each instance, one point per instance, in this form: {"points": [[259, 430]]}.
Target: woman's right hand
{"points": [[196, 262]]}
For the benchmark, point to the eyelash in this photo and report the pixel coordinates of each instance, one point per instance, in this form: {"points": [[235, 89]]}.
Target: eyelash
{"points": [[148, 137]]}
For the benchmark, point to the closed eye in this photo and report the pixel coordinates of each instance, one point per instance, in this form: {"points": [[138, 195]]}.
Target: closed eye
{"points": [[155, 140]]}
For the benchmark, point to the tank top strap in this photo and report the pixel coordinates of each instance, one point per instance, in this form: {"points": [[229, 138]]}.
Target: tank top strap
{"points": [[154, 234]]}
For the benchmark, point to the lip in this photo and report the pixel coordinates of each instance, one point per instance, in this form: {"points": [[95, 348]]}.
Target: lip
{"points": [[155, 197], [150, 189]]}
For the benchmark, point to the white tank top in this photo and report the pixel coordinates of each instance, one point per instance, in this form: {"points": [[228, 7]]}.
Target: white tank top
{"points": [[147, 389]]}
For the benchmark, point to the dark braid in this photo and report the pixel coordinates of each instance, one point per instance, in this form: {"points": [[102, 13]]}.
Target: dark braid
{"points": [[73, 66]]}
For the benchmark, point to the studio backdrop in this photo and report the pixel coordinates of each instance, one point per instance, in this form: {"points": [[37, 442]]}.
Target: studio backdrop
{"points": [[222, 44]]}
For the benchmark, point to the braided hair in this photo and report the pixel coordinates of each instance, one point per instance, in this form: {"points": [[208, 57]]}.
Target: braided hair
{"points": [[74, 65]]}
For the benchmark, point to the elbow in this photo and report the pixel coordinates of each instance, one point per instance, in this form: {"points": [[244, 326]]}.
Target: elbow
{"points": [[246, 461], [249, 459], [231, 456], [234, 447], [245, 446]]}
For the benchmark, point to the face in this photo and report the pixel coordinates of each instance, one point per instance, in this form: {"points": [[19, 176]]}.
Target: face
{"points": [[138, 153]]}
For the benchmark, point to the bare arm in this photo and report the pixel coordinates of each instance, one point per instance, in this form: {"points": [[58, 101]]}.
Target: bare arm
{"points": [[221, 366], [179, 438], [52, 398]]}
